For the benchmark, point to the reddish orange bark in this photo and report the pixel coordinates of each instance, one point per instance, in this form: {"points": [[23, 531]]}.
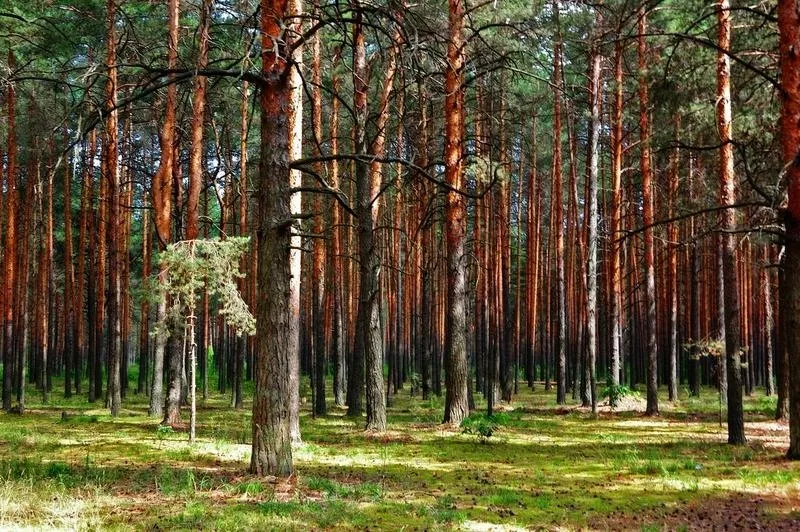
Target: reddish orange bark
{"points": [[10, 248]]}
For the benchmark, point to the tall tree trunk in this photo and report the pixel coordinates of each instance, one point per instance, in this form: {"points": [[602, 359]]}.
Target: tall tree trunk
{"points": [[272, 439], [87, 190], [10, 247], [672, 260], [727, 198], [595, 89], [456, 406], [722, 363], [241, 342], [557, 205], [198, 118], [647, 221], [144, 331], [789, 46], [70, 305], [532, 246], [318, 292], [294, 30], [334, 257], [616, 219], [769, 324], [162, 207], [110, 174]]}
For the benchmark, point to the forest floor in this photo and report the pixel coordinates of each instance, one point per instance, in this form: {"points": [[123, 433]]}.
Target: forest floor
{"points": [[545, 467]]}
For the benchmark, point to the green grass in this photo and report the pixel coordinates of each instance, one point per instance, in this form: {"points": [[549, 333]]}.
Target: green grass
{"points": [[540, 468]]}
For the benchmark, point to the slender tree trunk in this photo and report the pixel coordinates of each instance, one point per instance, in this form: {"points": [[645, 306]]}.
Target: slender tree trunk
{"points": [[87, 189], [318, 292], [557, 201], [68, 356], [144, 331], [782, 360], [769, 324], [728, 197], [672, 289], [241, 342], [335, 263], [595, 89], [10, 247], [647, 220], [111, 176], [532, 263], [294, 22], [616, 219], [722, 363]]}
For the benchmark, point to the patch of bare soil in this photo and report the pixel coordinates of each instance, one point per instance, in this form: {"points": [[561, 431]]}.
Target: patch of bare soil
{"points": [[735, 512]]}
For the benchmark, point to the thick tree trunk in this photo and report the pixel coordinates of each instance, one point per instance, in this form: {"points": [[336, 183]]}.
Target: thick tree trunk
{"points": [[198, 118], [728, 197], [163, 197], [789, 46], [162, 207], [272, 449], [456, 373]]}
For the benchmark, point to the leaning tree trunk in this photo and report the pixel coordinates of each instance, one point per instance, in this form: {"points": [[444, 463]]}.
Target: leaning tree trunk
{"points": [[728, 198]]}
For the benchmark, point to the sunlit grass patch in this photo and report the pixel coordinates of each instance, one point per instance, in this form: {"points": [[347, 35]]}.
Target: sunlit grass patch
{"points": [[543, 468]]}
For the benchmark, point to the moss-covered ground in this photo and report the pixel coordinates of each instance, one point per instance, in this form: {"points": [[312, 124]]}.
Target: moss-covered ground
{"points": [[545, 467]]}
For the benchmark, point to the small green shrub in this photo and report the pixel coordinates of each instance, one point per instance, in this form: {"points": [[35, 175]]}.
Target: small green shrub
{"points": [[617, 392], [483, 426]]}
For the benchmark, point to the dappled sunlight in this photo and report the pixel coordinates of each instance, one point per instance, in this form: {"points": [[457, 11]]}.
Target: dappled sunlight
{"points": [[536, 469]]}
